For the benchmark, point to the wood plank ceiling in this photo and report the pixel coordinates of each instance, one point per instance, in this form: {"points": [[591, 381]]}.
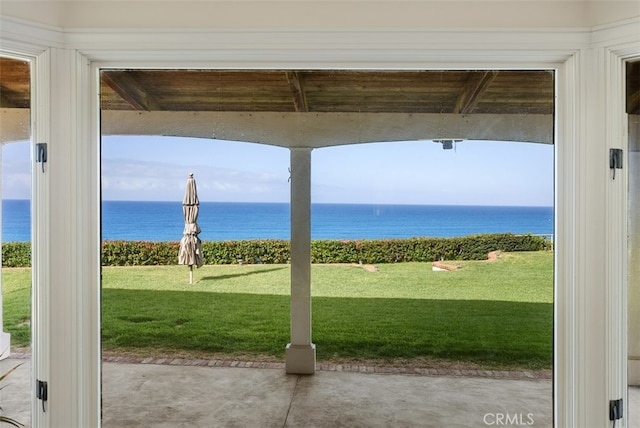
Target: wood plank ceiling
{"points": [[316, 91], [633, 87], [15, 83], [445, 91], [460, 92]]}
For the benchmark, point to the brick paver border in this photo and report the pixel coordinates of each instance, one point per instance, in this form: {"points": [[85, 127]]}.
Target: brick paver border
{"points": [[353, 368]]}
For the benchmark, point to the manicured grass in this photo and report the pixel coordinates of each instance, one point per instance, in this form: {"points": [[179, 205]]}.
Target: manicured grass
{"points": [[495, 314], [16, 295]]}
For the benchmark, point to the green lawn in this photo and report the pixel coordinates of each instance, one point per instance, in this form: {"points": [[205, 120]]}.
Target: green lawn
{"points": [[495, 314]]}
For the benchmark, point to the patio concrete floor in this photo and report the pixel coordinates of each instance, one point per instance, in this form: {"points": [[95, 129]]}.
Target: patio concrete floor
{"points": [[192, 394]]}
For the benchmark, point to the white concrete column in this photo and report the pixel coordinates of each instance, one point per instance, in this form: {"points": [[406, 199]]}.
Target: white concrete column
{"points": [[5, 338], [300, 357]]}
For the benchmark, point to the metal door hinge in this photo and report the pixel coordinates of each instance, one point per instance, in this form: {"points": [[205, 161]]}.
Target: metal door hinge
{"points": [[615, 161], [41, 154], [42, 392], [616, 410]]}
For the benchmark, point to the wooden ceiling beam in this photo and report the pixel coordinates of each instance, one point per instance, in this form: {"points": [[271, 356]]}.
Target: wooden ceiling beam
{"points": [[477, 83], [130, 90], [297, 90]]}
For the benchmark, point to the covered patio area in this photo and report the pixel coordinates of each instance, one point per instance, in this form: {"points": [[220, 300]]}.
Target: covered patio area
{"points": [[187, 393]]}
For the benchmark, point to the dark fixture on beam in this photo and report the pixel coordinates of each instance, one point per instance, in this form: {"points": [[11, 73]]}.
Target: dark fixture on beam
{"points": [[447, 144]]}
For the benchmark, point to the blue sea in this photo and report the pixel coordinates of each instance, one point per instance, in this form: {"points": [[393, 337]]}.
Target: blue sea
{"points": [[221, 221]]}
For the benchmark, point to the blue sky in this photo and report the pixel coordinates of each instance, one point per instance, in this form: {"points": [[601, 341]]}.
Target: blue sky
{"points": [[156, 168]]}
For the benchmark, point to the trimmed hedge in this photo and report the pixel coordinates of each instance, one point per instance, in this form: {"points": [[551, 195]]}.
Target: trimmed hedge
{"points": [[251, 251], [138, 253], [475, 247], [16, 254]]}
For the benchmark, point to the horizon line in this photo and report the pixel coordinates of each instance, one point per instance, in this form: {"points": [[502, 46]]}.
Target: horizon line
{"points": [[321, 203]]}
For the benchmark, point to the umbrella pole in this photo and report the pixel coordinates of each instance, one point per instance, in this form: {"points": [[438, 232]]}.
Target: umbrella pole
{"points": [[190, 274]]}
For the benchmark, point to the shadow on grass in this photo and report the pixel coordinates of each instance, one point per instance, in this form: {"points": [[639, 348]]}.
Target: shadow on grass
{"points": [[490, 333], [234, 275]]}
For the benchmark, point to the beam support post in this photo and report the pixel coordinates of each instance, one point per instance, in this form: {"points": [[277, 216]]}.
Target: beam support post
{"points": [[300, 356]]}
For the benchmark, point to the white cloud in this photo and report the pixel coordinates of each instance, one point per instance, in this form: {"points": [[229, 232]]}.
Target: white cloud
{"points": [[128, 179], [16, 171]]}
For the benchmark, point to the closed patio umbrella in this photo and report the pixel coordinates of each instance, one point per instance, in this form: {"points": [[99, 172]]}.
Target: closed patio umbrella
{"points": [[190, 245]]}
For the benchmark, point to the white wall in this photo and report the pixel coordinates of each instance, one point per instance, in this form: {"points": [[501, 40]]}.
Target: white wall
{"points": [[289, 14]]}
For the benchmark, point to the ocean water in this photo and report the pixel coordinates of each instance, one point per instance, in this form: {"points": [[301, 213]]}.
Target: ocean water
{"points": [[221, 221]]}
